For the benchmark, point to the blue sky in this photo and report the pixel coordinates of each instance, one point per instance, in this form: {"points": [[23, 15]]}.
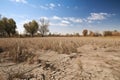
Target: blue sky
{"points": [[65, 16]]}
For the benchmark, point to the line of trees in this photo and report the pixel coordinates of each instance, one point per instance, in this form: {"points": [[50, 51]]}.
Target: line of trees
{"points": [[96, 34], [91, 33], [8, 27]]}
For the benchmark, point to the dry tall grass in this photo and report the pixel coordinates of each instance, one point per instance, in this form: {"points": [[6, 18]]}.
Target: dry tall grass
{"points": [[59, 44], [20, 49]]}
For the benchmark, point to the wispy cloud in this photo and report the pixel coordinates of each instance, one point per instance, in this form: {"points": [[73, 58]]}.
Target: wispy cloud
{"points": [[70, 19], [59, 5], [43, 7], [98, 16], [60, 24], [59, 21], [49, 6], [56, 18], [94, 17], [65, 22], [19, 1], [20, 27], [75, 20]]}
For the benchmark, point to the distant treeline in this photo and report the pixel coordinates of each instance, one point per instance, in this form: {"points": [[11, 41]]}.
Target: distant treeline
{"points": [[104, 33], [40, 29]]}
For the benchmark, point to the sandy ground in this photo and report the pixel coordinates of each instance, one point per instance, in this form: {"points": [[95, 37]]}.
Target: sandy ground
{"points": [[91, 62]]}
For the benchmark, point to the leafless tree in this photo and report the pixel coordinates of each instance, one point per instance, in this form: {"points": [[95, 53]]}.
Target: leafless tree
{"points": [[43, 26]]}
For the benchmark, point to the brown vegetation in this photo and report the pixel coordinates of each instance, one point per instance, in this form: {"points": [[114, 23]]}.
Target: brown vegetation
{"points": [[85, 32], [59, 44], [53, 57]]}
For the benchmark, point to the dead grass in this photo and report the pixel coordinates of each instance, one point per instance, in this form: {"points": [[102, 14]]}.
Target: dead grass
{"points": [[20, 49], [23, 49], [15, 51]]}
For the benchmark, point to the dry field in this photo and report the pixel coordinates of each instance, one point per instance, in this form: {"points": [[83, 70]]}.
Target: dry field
{"points": [[60, 58]]}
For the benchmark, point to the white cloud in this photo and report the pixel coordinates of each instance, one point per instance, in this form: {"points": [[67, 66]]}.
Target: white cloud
{"points": [[79, 20], [19, 1], [56, 18], [62, 24], [67, 19], [51, 5], [20, 27], [59, 5], [75, 20], [98, 16], [59, 24], [48, 6], [65, 22], [89, 21]]}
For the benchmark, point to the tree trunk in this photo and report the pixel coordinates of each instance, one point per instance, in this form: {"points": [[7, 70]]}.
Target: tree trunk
{"points": [[31, 35], [8, 34], [42, 35]]}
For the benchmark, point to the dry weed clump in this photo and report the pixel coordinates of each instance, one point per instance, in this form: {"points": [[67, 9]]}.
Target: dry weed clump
{"points": [[20, 54], [15, 50]]}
